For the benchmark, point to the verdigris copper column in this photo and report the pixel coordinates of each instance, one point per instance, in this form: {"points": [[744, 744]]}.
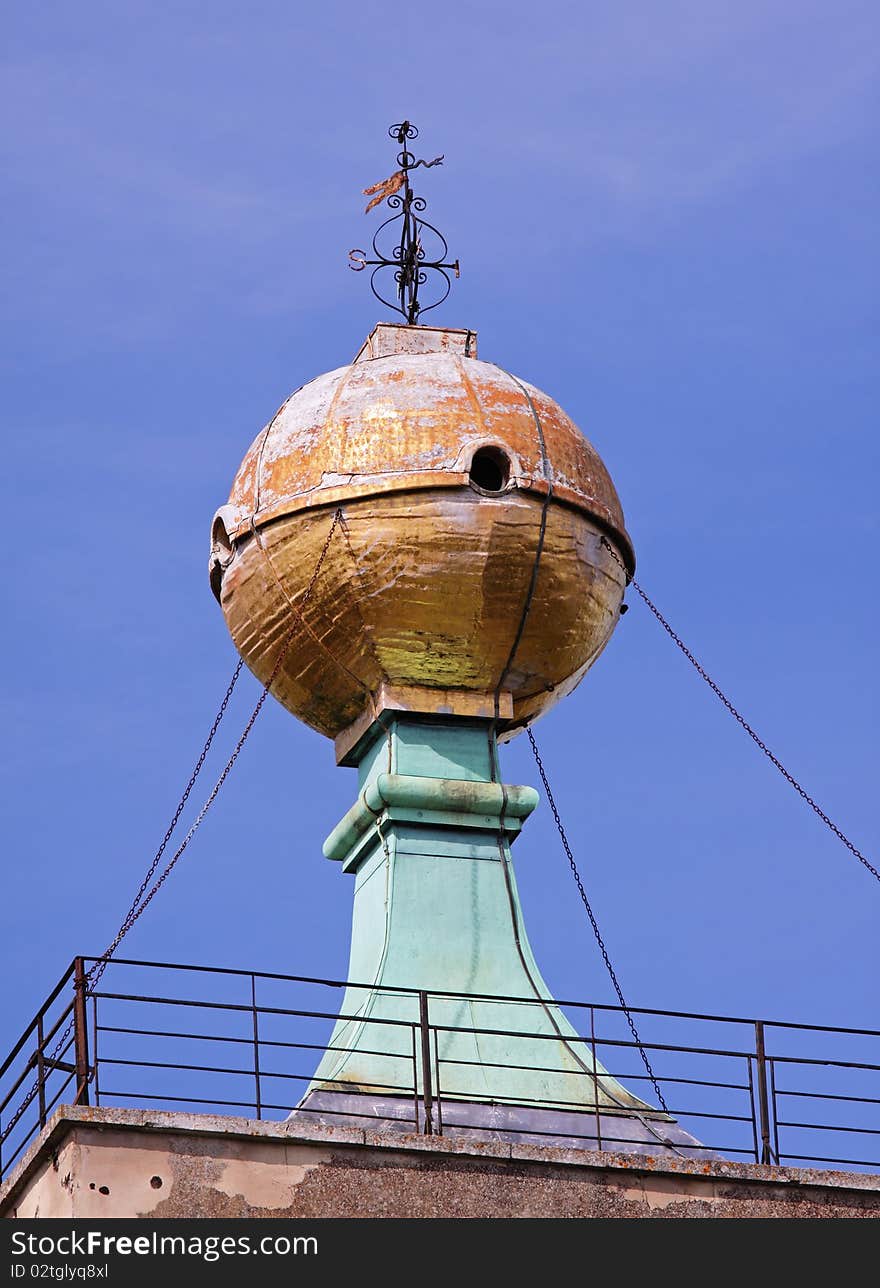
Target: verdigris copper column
{"points": [[436, 905]]}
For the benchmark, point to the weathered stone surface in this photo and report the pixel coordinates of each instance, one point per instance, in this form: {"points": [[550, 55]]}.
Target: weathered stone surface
{"points": [[121, 1163]]}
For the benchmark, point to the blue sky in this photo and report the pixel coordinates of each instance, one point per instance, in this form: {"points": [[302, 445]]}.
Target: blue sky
{"points": [[666, 217]]}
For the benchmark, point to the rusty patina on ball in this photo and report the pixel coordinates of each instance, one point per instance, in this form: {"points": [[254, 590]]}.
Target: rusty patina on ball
{"points": [[437, 464]]}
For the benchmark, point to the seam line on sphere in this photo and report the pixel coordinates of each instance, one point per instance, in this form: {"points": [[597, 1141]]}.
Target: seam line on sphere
{"points": [[368, 634], [306, 625], [472, 398], [341, 384], [533, 580], [258, 482]]}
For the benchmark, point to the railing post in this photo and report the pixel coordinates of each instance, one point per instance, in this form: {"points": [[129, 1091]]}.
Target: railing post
{"points": [[763, 1101], [96, 1063], [438, 1101], [80, 1032], [427, 1095], [752, 1109], [41, 1071], [415, 1076], [256, 1046], [595, 1078], [776, 1154]]}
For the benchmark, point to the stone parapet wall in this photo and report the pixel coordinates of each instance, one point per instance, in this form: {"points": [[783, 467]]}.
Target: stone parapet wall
{"points": [[108, 1163]]}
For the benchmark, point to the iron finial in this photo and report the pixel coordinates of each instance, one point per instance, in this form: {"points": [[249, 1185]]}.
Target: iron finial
{"points": [[408, 258]]}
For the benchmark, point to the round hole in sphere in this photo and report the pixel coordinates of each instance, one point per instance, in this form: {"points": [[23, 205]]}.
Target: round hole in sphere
{"points": [[490, 469], [220, 539]]}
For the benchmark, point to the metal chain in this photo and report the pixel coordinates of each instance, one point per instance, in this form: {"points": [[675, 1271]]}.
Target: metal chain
{"points": [[130, 916], [741, 720], [141, 903], [135, 911], [186, 794], [599, 940]]}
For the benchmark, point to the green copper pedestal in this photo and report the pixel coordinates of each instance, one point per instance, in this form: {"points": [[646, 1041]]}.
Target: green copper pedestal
{"points": [[436, 912]]}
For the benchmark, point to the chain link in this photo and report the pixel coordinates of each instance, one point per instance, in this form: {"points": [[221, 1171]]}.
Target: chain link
{"points": [[142, 900], [599, 940], [741, 720]]}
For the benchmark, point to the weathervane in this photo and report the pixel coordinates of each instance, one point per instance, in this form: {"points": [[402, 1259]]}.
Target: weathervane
{"points": [[409, 258]]}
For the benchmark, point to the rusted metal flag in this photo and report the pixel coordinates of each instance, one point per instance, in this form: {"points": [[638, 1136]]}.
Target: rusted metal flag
{"points": [[386, 188]]}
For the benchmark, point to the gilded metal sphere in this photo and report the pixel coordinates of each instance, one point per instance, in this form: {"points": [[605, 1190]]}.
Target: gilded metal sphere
{"points": [[468, 563]]}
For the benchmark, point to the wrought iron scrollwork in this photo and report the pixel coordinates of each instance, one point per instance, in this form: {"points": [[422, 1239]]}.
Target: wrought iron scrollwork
{"points": [[417, 250]]}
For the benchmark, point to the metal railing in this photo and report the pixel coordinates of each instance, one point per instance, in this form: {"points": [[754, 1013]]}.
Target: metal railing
{"points": [[247, 1043]]}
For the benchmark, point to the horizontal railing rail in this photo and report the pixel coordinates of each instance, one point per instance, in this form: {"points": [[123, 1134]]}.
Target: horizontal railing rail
{"points": [[211, 1039]]}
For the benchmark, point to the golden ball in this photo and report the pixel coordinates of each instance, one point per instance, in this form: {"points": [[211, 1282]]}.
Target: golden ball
{"points": [[469, 570]]}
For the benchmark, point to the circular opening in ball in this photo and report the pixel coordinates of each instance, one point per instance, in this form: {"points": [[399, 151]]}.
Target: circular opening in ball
{"points": [[490, 469], [220, 537]]}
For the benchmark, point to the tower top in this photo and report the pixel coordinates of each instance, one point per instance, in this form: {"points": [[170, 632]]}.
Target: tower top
{"points": [[414, 251]]}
